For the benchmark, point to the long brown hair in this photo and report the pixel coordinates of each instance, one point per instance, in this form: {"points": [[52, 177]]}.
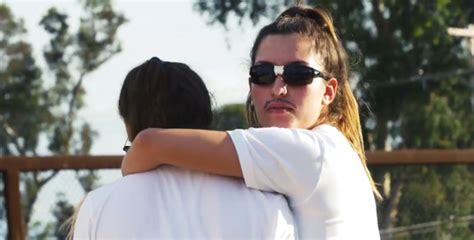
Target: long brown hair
{"points": [[316, 25]]}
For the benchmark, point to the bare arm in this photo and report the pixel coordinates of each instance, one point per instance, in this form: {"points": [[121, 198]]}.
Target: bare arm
{"points": [[201, 150]]}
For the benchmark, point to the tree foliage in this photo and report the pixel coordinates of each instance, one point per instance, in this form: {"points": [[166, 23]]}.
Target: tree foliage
{"points": [[21, 92], [230, 116], [36, 101]]}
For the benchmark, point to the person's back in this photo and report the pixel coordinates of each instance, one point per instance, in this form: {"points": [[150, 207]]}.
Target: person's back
{"points": [[171, 203]]}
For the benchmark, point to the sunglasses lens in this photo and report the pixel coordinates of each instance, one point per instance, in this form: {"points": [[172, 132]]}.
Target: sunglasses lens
{"points": [[293, 74], [298, 75], [262, 74]]}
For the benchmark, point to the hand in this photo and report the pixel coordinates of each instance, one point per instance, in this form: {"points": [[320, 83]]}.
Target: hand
{"points": [[142, 155], [135, 161], [124, 166]]}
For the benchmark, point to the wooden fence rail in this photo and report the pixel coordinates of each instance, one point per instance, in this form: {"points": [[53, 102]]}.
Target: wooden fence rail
{"points": [[13, 166]]}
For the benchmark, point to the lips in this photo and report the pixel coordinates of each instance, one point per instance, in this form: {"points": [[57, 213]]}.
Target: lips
{"points": [[279, 106]]}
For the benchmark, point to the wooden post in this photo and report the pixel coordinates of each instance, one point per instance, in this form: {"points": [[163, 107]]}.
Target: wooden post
{"points": [[13, 166], [13, 204]]}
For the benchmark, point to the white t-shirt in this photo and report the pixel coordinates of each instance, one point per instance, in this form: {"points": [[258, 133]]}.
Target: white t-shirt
{"points": [[322, 176], [171, 203]]}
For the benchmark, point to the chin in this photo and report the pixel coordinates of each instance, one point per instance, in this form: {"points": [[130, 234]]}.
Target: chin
{"points": [[280, 124], [281, 121]]}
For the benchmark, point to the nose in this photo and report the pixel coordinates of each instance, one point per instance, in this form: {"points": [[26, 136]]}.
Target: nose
{"points": [[279, 88]]}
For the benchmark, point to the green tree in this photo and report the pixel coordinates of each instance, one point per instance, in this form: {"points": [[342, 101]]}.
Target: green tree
{"points": [[21, 91], [21, 96], [33, 104], [230, 116], [62, 211], [406, 66]]}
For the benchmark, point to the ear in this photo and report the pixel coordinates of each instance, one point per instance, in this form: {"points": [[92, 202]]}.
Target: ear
{"points": [[330, 91]]}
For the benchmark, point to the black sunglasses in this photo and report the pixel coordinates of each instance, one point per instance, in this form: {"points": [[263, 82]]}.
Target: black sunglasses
{"points": [[293, 74]]}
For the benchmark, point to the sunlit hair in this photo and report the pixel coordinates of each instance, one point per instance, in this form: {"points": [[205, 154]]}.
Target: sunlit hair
{"points": [[69, 224], [316, 25]]}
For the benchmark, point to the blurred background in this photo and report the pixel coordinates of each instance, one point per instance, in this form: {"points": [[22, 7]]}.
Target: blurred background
{"points": [[62, 64]]}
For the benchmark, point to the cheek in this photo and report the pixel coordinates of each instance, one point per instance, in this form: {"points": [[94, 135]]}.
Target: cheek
{"points": [[311, 98], [309, 95], [258, 95], [316, 91]]}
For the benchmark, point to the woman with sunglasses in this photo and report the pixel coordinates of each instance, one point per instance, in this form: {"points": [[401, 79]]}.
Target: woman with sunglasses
{"points": [[309, 144]]}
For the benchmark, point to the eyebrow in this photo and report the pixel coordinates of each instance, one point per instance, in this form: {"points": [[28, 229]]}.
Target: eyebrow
{"points": [[295, 62]]}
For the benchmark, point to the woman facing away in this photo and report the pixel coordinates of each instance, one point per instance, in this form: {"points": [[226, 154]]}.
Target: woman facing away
{"points": [[170, 202], [309, 144]]}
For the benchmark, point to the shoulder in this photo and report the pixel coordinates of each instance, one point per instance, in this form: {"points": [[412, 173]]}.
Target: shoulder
{"points": [[89, 210], [327, 131], [276, 133], [261, 137], [164, 182], [331, 138], [98, 196]]}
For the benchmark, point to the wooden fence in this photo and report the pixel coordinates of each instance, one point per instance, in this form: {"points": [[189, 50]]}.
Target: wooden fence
{"points": [[13, 166]]}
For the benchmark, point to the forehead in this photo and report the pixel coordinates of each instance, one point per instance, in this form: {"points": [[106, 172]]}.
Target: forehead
{"points": [[281, 49]]}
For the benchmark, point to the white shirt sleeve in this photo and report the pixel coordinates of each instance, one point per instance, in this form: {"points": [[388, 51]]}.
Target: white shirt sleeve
{"points": [[83, 222], [287, 161]]}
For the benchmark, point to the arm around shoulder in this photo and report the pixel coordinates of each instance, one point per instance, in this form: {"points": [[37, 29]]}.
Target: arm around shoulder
{"points": [[201, 150], [283, 160]]}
